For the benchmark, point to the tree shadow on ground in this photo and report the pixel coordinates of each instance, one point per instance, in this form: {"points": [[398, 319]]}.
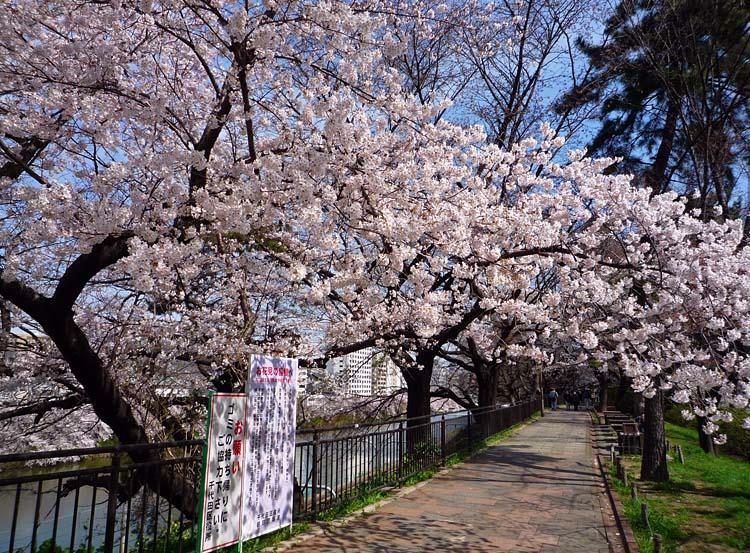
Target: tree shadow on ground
{"points": [[397, 534]]}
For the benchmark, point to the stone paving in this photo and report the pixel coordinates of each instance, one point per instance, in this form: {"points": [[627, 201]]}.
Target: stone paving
{"points": [[538, 491]]}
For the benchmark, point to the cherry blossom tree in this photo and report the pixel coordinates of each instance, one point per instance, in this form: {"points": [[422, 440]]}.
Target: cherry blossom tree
{"points": [[153, 205], [673, 319], [186, 183]]}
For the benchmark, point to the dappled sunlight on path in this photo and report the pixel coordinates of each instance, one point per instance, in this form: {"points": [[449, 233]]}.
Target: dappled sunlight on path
{"points": [[537, 491]]}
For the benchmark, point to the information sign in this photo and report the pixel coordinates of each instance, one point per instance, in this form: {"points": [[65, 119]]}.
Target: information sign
{"points": [[222, 492], [269, 462]]}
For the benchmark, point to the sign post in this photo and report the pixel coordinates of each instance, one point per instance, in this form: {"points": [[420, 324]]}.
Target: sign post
{"points": [[223, 475], [269, 462]]}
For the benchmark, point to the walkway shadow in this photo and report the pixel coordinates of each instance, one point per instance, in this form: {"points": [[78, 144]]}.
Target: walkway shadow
{"points": [[397, 534], [509, 469]]}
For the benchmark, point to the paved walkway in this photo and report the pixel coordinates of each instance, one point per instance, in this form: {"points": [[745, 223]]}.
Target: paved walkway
{"points": [[535, 492]]}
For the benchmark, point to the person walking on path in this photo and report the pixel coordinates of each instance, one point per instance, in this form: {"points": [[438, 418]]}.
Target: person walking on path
{"points": [[576, 399], [553, 399], [586, 398]]}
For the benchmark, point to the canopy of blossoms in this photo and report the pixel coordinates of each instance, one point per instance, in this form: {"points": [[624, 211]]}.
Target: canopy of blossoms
{"points": [[185, 183]]}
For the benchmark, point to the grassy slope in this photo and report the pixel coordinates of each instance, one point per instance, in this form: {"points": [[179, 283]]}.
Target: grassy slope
{"points": [[704, 508]]}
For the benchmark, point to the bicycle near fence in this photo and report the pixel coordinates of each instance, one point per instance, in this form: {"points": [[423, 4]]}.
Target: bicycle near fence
{"points": [[103, 500]]}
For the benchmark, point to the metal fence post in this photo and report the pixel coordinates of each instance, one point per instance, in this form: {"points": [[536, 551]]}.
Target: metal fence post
{"points": [[114, 480], [442, 440], [468, 429], [400, 451], [315, 447]]}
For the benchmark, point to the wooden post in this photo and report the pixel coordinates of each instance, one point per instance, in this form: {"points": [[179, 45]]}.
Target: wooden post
{"points": [[633, 491], [644, 515], [657, 543], [680, 455]]}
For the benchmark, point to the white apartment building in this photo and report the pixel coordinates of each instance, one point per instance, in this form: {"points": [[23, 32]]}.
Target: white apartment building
{"points": [[301, 380], [386, 376], [354, 371], [366, 372]]}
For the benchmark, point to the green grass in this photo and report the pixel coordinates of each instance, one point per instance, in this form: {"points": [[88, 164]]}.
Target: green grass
{"points": [[354, 505], [738, 438], [705, 507], [270, 540]]}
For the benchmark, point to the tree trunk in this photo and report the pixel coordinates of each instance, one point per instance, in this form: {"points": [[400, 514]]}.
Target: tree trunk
{"points": [[637, 404], [418, 408], [487, 377], [5, 337], [418, 400], [624, 400], [603, 378], [706, 441], [110, 406], [654, 462], [656, 175]]}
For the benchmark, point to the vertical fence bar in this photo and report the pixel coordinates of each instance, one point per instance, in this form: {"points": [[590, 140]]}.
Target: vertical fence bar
{"points": [[126, 530], [114, 479], [400, 451], [308, 476], [36, 516], [15, 518], [156, 508], [142, 522], [315, 446], [181, 523], [468, 430], [327, 460], [90, 546], [57, 515], [169, 511], [442, 440], [75, 515]]}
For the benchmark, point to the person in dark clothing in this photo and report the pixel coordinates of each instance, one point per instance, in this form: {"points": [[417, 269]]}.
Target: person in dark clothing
{"points": [[586, 398]]}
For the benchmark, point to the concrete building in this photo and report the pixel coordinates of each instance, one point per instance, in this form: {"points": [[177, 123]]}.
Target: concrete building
{"points": [[386, 376], [366, 372], [302, 376], [354, 372]]}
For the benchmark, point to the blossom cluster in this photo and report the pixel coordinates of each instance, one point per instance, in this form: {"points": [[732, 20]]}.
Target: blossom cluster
{"points": [[280, 191]]}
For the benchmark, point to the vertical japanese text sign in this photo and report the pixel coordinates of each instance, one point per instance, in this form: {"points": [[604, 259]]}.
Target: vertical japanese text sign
{"points": [[223, 477], [269, 461]]}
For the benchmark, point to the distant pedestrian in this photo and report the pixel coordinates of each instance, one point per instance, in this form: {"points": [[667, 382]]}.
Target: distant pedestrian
{"points": [[586, 398], [576, 400], [553, 399]]}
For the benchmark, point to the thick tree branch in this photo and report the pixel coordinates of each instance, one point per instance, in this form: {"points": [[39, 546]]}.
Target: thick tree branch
{"points": [[42, 407], [86, 266]]}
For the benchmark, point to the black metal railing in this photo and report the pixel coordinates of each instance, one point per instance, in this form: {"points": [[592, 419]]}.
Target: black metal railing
{"points": [[100, 499], [143, 498]]}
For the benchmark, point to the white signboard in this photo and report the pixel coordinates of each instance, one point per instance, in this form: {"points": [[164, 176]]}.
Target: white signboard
{"points": [[221, 500], [269, 463]]}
